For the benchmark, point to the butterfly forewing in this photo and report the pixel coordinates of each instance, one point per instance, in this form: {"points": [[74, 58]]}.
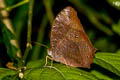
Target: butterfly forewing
{"points": [[69, 42]]}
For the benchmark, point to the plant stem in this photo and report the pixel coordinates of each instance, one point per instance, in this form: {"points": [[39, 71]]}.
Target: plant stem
{"points": [[48, 7], [37, 48], [28, 45], [16, 5]]}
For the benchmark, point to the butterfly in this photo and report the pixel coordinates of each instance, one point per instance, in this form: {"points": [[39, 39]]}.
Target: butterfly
{"points": [[69, 44]]}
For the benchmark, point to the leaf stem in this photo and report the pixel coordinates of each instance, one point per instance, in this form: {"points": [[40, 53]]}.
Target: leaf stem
{"points": [[28, 45]]}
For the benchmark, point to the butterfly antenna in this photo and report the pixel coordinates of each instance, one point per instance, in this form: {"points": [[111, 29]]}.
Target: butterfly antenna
{"points": [[40, 44]]}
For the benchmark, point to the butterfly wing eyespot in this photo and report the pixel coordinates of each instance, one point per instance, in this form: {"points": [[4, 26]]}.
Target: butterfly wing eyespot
{"points": [[76, 36]]}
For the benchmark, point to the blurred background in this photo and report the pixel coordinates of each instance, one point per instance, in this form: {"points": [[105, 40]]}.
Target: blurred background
{"points": [[100, 19]]}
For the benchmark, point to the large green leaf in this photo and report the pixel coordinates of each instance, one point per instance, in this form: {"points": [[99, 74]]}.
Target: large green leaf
{"points": [[4, 72], [35, 64], [36, 71], [118, 52], [10, 42], [100, 75], [109, 61], [11, 77]]}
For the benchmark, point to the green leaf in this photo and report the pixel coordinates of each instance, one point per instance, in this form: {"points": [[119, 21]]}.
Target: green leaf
{"points": [[11, 77], [57, 72], [36, 64], [10, 42], [4, 72], [114, 3], [116, 27], [118, 51], [101, 75], [109, 61]]}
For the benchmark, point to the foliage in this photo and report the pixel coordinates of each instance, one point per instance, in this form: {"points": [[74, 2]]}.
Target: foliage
{"points": [[29, 21]]}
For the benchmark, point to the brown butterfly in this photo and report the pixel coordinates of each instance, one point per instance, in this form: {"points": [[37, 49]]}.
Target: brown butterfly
{"points": [[69, 43]]}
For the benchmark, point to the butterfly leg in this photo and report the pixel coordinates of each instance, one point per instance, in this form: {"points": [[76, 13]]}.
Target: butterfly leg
{"points": [[48, 57]]}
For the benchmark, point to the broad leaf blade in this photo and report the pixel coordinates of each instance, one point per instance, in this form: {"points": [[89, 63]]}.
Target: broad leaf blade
{"points": [[109, 61], [11, 77], [101, 75], [36, 64], [58, 72], [6, 72], [10, 42]]}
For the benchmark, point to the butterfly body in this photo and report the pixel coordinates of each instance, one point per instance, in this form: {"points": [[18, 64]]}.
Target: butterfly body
{"points": [[69, 42]]}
